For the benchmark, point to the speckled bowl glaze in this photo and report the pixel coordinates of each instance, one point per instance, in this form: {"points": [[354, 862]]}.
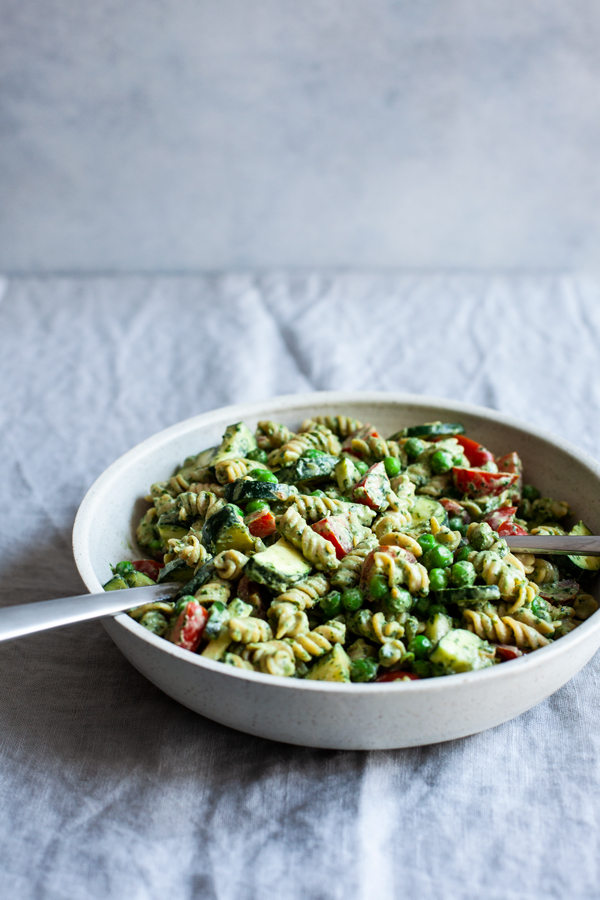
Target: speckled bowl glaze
{"points": [[326, 714]]}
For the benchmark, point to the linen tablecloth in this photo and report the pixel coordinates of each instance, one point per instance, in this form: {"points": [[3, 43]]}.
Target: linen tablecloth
{"points": [[109, 789]]}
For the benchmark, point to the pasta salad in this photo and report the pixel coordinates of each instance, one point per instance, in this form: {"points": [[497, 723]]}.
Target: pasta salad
{"points": [[335, 554]]}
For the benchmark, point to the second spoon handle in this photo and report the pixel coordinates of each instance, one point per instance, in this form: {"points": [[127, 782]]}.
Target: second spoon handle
{"points": [[573, 544]]}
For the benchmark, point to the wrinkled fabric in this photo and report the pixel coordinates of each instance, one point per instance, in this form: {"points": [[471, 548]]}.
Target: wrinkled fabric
{"points": [[109, 789]]}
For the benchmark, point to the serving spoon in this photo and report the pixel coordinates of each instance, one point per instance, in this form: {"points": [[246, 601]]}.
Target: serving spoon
{"points": [[17, 621]]}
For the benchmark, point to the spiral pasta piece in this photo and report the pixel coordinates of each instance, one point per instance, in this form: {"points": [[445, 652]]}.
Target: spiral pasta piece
{"points": [[334, 631], [397, 539], [290, 620], [342, 426], [189, 549], [525, 635], [300, 443], [233, 659], [273, 658], [391, 652], [306, 594], [229, 564], [375, 627], [234, 467], [314, 508], [271, 435], [488, 626], [213, 591], [400, 570], [348, 573], [202, 505], [199, 486], [248, 630], [390, 523], [495, 570], [526, 561], [376, 448], [318, 551], [544, 572], [306, 647], [525, 596]]}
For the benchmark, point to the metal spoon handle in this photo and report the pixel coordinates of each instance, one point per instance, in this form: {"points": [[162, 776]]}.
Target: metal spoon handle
{"points": [[16, 621], [585, 545]]}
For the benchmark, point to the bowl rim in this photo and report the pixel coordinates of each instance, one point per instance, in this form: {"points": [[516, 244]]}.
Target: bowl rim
{"points": [[82, 532]]}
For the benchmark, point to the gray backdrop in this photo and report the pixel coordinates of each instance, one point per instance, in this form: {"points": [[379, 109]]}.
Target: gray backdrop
{"points": [[158, 135]]}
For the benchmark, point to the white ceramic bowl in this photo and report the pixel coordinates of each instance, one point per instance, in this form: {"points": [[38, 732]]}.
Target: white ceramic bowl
{"points": [[326, 714]]}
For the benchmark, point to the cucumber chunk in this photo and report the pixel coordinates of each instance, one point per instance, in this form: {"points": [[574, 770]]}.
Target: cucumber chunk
{"points": [[238, 440], [461, 651], [587, 563], [474, 594], [278, 567], [310, 470], [334, 666], [431, 429], [176, 570], [241, 491], [424, 509], [204, 574], [226, 531]]}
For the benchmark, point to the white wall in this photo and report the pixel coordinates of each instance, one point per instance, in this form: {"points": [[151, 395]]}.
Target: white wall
{"points": [[187, 134]]}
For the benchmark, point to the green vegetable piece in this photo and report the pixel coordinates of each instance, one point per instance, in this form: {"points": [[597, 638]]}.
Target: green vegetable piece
{"points": [[455, 523], [392, 465], [421, 646], [422, 668], [438, 579], [352, 599], [124, 568], [475, 593], [363, 670], [438, 557], [421, 606], [379, 587], [334, 666], [138, 579], [238, 440], [313, 453], [258, 455], [414, 447], [462, 651], [219, 615], [432, 429], [463, 553], [441, 462], [237, 510], [436, 608], [155, 622], [530, 493], [263, 475], [438, 624], [361, 466], [331, 604], [463, 574], [585, 563], [176, 570], [255, 505], [539, 607], [116, 583], [318, 493], [426, 542]]}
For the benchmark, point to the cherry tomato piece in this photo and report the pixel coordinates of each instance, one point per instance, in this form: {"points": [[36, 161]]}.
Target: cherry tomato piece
{"points": [[399, 676], [336, 529], [475, 453], [506, 652], [261, 523], [188, 628], [477, 483], [148, 567]]}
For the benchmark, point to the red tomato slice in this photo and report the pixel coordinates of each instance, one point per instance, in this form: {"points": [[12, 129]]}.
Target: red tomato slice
{"points": [[498, 516], [512, 463], [261, 523], [336, 529], [373, 488], [188, 629], [148, 567], [506, 651], [475, 483], [455, 510], [508, 528], [399, 676], [475, 453]]}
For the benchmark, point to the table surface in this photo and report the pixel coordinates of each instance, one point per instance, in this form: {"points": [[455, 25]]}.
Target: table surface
{"points": [[110, 789]]}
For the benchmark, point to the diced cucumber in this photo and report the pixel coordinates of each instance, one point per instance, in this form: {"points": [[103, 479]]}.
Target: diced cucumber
{"points": [[138, 579], [226, 531], [240, 491], [475, 594], [204, 574], [307, 469], [238, 440], [169, 526], [431, 429], [278, 567], [334, 666], [437, 626], [219, 615], [585, 563], [461, 651], [424, 509], [176, 570], [116, 583]]}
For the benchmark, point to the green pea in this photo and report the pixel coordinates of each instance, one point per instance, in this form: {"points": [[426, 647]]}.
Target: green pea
{"points": [[331, 604], [362, 670], [426, 542], [530, 493], [125, 568], [361, 466], [463, 574], [441, 462], [463, 553], [236, 509], [438, 557], [421, 606], [258, 455], [539, 608], [398, 601], [438, 579], [422, 668], [313, 454], [421, 646], [155, 546], [263, 475], [353, 598], [379, 587], [413, 447], [255, 505], [318, 493], [392, 466], [455, 523]]}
